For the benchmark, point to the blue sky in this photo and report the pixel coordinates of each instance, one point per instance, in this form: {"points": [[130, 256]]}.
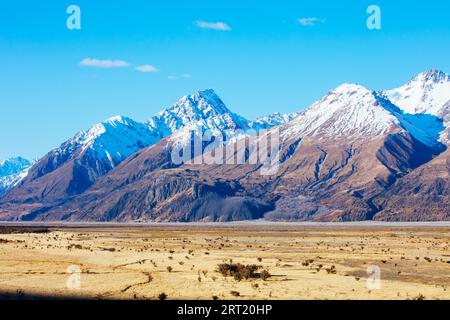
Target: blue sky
{"points": [[266, 61]]}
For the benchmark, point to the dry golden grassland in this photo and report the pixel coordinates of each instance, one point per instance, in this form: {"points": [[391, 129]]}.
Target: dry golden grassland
{"points": [[183, 262]]}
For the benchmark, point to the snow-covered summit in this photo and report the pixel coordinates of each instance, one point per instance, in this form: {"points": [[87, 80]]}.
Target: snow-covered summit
{"points": [[353, 111], [110, 141], [13, 166], [202, 110], [427, 93], [349, 110], [433, 75], [12, 171]]}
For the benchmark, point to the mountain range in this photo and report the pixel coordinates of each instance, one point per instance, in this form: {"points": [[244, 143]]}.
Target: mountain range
{"points": [[355, 154]]}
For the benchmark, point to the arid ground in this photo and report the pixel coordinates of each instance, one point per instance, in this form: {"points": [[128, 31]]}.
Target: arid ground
{"points": [[182, 261]]}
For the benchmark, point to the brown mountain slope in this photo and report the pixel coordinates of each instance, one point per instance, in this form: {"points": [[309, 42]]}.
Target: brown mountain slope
{"points": [[336, 158], [336, 180], [327, 181], [423, 195]]}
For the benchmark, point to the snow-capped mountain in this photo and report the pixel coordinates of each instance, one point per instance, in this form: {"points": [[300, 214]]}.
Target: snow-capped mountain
{"points": [[75, 165], [91, 154], [346, 148], [202, 110], [429, 94], [12, 166], [108, 143], [353, 111], [336, 157], [112, 140], [12, 171], [199, 112], [349, 110], [272, 120], [426, 93]]}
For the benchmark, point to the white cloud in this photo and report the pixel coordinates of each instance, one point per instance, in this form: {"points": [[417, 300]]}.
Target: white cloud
{"points": [[183, 76], [106, 64], [310, 22], [147, 68], [220, 26]]}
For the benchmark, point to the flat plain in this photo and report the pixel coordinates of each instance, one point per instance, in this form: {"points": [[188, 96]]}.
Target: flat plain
{"points": [[183, 261]]}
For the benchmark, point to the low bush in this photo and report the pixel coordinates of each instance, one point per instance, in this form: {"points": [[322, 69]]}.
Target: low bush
{"points": [[242, 272]]}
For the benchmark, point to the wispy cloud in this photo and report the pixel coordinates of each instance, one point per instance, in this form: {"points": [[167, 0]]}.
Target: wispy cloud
{"points": [[310, 22], [147, 68], [106, 64], [183, 76], [220, 26]]}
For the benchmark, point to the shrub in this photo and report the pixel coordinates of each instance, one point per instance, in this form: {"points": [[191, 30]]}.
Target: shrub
{"points": [[264, 275], [238, 271], [420, 297], [331, 270], [235, 293], [307, 262], [162, 296]]}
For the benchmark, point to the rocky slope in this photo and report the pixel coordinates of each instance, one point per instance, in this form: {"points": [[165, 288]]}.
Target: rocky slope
{"points": [[422, 195]]}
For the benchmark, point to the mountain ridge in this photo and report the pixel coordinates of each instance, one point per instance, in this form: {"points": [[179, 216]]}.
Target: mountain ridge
{"points": [[336, 160]]}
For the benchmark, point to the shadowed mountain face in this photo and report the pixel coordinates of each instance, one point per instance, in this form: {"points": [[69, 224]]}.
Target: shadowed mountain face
{"points": [[353, 155], [423, 195]]}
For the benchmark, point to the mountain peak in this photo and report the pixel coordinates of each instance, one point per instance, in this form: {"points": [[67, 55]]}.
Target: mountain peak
{"points": [[203, 109], [274, 119], [351, 87], [349, 110], [113, 123], [426, 93], [12, 170], [203, 101], [118, 119], [433, 75], [14, 161], [207, 93]]}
